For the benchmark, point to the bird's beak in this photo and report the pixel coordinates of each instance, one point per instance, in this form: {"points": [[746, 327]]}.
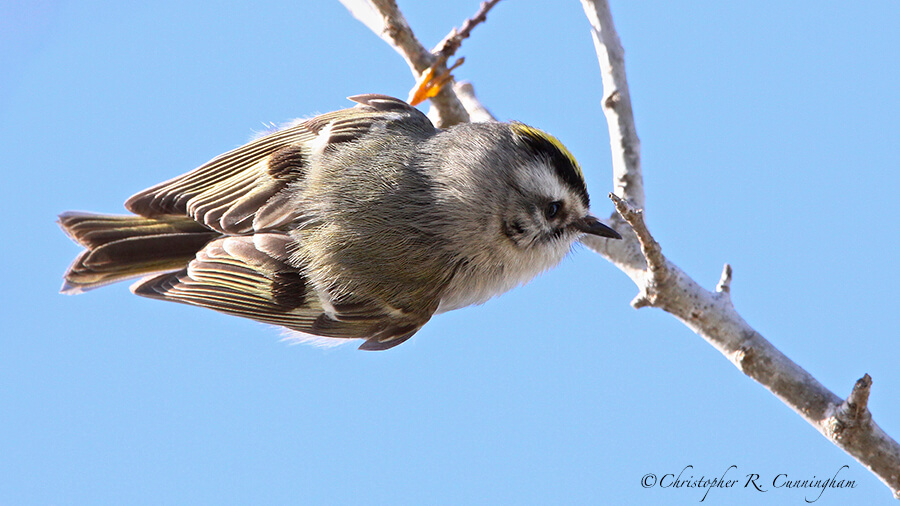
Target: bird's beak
{"points": [[593, 226]]}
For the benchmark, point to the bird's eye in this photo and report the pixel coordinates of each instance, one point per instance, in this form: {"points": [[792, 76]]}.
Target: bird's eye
{"points": [[552, 209]]}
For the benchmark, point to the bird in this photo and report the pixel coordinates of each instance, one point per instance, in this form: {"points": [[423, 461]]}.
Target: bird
{"points": [[360, 223]]}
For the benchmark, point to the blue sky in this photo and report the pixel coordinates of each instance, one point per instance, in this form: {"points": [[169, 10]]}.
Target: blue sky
{"points": [[769, 135]]}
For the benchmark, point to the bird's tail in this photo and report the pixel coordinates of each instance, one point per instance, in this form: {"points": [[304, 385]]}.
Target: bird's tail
{"points": [[122, 247]]}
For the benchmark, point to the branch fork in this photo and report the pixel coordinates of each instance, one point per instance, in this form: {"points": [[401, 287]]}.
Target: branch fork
{"points": [[711, 314], [385, 19]]}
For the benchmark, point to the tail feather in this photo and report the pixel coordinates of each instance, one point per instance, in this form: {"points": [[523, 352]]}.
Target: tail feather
{"points": [[122, 247]]}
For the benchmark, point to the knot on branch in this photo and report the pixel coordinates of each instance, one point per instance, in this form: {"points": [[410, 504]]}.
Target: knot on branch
{"points": [[648, 296], [723, 287], [612, 100], [751, 361], [853, 413]]}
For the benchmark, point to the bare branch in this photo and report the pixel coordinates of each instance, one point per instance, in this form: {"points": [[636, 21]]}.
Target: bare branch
{"points": [[628, 181], [478, 113], [848, 424], [447, 47], [385, 19], [649, 247]]}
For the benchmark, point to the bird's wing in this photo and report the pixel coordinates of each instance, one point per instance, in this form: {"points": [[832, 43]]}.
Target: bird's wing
{"points": [[244, 190], [249, 276]]}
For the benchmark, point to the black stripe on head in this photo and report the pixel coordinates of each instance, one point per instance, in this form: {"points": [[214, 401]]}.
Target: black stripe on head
{"points": [[562, 161]]}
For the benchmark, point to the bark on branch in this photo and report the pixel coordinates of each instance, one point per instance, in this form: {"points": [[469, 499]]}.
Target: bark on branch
{"points": [[711, 314], [848, 424], [385, 19]]}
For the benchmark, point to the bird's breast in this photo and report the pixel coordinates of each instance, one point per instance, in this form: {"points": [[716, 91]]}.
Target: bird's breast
{"points": [[480, 279]]}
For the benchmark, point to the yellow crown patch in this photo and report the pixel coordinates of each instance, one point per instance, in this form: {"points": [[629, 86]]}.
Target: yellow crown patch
{"points": [[560, 158], [539, 135]]}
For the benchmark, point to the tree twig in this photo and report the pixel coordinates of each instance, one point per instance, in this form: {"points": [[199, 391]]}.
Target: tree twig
{"points": [[628, 181], [848, 424], [385, 19], [447, 47]]}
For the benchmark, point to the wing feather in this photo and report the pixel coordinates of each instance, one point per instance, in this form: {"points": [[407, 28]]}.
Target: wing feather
{"points": [[245, 190], [239, 276]]}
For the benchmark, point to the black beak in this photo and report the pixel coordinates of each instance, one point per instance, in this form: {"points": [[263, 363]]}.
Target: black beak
{"points": [[593, 226]]}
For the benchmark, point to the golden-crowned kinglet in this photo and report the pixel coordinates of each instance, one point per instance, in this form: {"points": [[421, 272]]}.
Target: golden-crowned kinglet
{"points": [[359, 223]]}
